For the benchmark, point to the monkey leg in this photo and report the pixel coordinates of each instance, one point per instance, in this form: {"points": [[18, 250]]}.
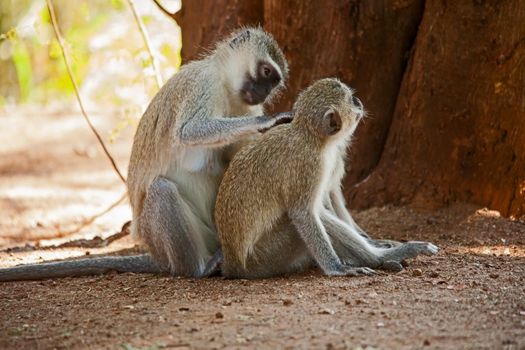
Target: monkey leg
{"points": [[355, 250], [352, 248], [279, 251], [175, 235], [335, 203]]}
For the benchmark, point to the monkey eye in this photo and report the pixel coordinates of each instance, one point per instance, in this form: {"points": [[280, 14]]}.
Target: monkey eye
{"points": [[266, 71]]}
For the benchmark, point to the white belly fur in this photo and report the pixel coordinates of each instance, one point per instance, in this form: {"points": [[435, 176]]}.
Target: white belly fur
{"points": [[197, 172]]}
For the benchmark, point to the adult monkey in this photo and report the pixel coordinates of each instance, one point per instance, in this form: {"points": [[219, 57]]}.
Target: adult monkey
{"points": [[180, 148], [180, 151]]}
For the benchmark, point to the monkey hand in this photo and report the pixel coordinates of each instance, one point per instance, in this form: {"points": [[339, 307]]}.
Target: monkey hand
{"points": [[277, 119]]}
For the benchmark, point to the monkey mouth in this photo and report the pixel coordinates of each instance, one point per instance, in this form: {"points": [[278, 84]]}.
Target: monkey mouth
{"points": [[251, 98]]}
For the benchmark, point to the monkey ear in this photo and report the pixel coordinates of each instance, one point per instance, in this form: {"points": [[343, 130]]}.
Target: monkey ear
{"points": [[331, 123]]}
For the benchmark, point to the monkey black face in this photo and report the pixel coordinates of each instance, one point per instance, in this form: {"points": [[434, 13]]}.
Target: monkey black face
{"points": [[256, 89]]}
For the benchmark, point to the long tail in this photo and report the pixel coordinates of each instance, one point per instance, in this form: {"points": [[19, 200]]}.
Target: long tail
{"points": [[83, 267]]}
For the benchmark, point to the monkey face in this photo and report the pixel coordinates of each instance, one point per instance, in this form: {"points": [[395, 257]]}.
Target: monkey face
{"points": [[351, 111], [256, 89]]}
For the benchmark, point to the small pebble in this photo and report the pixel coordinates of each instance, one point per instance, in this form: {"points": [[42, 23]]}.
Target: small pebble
{"points": [[417, 272], [326, 312]]}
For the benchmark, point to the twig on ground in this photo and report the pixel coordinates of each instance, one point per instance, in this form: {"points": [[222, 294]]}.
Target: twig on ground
{"points": [[91, 219], [145, 36], [77, 92]]}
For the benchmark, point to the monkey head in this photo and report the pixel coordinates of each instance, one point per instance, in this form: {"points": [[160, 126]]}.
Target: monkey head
{"points": [[328, 108], [255, 65]]}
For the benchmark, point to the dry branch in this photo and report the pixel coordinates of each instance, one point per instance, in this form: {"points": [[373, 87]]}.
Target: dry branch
{"points": [[77, 92], [91, 219], [147, 42]]}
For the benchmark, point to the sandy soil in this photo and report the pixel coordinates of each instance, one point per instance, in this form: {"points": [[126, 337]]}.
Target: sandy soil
{"points": [[52, 178]]}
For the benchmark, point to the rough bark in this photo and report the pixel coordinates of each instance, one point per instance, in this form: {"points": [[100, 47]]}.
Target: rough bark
{"points": [[206, 21], [458, 131], [448, 126], [364, 43]]}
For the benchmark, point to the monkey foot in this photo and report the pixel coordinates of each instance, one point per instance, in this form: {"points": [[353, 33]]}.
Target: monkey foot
{"points": [[213, 267]]}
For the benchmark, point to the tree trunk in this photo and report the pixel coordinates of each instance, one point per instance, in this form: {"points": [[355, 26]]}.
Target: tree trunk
{"points": [[207, 21], [448, 125], [458, 131], [364, 43]]}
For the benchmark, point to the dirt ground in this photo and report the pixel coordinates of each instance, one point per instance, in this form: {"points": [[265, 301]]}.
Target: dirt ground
{"points": [[53, 179]]}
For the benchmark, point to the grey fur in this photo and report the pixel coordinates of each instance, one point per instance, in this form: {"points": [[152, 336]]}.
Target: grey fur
{"points": [[83, 267]]}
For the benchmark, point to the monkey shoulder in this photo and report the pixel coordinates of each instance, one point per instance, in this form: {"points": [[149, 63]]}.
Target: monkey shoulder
{"points": [[281, 161]]}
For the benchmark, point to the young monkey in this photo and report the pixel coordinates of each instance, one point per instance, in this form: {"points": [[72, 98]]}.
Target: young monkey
{"points": [[280, 208]]}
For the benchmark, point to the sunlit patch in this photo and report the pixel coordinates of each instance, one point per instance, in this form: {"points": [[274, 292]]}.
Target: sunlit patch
{"points": [[37, 256], [494, 250], [488, 213]]}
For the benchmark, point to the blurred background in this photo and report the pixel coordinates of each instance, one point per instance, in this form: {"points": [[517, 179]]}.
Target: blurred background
{"points": [[110, 60], [443, 82], [54, 179]]}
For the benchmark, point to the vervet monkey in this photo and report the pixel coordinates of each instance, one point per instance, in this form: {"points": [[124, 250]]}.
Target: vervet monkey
{"points": [[280, 208], [180, 151]]}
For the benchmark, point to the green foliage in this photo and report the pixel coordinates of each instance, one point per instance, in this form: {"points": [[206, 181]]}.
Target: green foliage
{"points": [[10, 35], [24, 70], [118, 4], [88, 28], [146, 19]]}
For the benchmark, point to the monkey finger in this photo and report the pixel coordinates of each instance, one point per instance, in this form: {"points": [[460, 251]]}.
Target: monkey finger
{"points": [[368, 271], [385, 243], [360, 271], [424, 248], [278, 119]]}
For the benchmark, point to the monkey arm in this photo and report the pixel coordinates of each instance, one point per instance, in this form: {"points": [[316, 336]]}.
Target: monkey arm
{"points": [[220, 131], [317, 241]]}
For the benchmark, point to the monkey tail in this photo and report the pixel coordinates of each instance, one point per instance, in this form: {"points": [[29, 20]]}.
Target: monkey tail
{"points": [[83, 267]]}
